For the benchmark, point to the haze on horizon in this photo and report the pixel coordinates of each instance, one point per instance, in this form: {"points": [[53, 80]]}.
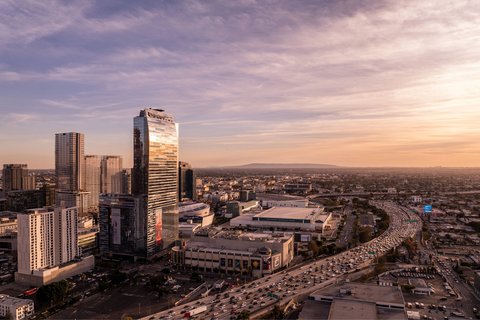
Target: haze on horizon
{"points": [[348, 83]]}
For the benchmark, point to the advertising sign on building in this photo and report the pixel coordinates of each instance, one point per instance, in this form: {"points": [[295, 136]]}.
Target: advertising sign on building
{"points": [[276, 262], [158, 226], [305, 238], [115, 221]]}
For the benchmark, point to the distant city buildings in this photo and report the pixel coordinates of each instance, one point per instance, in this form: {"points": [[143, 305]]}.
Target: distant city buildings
{"points": [[15, 177], [155, 178]]}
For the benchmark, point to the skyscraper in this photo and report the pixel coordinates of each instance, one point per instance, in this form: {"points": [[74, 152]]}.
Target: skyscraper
{"points": [[69, 158], [70, 171], [92, 180], [127, 181], [14, 176], [155, 177], [186, 182], [111, 178]]}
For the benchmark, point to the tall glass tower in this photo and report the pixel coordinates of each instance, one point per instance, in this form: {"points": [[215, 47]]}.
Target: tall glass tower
{"points": [[155, 177], [69, 161]]}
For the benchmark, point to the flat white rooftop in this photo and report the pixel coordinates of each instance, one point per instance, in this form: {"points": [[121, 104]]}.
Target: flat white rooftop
{"points": [[291, 213]]}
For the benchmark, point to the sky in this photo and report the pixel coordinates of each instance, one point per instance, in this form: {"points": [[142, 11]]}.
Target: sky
{"points": [[350, 83]]}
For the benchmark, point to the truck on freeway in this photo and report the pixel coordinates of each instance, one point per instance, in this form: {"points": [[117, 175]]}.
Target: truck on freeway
{"points": [[194, 312]]}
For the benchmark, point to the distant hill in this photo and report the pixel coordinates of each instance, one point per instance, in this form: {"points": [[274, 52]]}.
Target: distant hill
{"points": [[285, 166]]}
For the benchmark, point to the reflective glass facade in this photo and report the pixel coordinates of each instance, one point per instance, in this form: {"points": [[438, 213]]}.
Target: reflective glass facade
{"points": [[155, 177], [69, 161]]}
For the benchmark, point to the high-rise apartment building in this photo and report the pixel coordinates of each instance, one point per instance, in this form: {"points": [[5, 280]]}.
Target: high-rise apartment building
{"points": [[186, 182], [69, 158], [46, 238], [15, 177], [155, 177], [92, 180], [111, 174]]}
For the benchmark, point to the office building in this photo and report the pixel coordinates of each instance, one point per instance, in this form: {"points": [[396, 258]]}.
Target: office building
{"points": [[16, 308], [21, 200], [70, 171], [186, 182], [78, 199], [111, 174], [69, 159], [121, 228], [233, 251], [15, 177], [47, 246], [155, 177], [126, 181], [92, 180]]}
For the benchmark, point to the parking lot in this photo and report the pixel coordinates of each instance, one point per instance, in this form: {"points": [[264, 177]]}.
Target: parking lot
{"points": [[438, 305]]}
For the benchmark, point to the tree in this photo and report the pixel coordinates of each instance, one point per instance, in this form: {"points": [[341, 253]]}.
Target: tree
{"points": [[195, 277], [277, 313], [51, 294], [244, 315], [313, 247], [365, 234], [158, 281]]}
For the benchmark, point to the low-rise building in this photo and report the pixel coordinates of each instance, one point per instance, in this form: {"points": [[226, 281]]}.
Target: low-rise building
{"points": [[15, 308], [476, 281], [234, 251], [313, 220], [355, 301], [195, 212]]}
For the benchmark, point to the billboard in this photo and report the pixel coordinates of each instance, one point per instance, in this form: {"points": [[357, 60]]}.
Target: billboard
{"points": [[427, 208], [158, 226], [266, 263], [115, 223], [276, 262], [305, 238]]}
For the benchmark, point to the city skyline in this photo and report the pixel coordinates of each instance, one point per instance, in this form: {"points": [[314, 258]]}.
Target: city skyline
{"points": [[344, 83]]}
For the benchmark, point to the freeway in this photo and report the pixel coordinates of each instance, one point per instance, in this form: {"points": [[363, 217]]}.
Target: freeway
{"points": [[261, 295]]}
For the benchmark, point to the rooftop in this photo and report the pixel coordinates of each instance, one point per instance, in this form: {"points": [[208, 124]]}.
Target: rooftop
{"points": [[365, 292], [250, 236], [277, 197], [345, 309], [292, 213], [12, 301]]}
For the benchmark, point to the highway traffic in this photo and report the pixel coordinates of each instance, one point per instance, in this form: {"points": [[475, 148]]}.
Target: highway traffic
{"points": [[262, 294]]}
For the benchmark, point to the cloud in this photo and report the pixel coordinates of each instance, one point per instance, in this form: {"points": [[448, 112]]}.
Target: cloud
{"points": [[349, 74]]}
